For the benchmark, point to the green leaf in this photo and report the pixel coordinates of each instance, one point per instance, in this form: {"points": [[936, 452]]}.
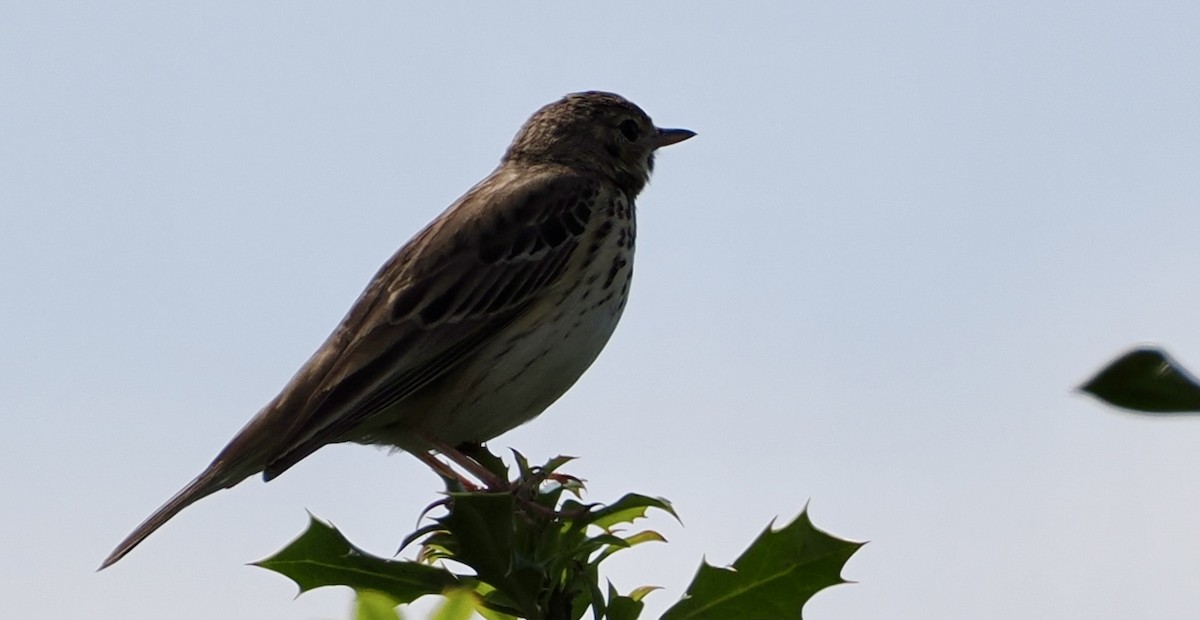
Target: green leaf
{"points": [[1146, 379], [481, 527], [644, 536], [631, 541], [556, 462], [596, 543], [524, 471], [482, 524], [484, 457], [491, 614], [627, 509], [372, 605], [321, 556], [460, 604], [624, 608], [772, 579], [482, 591], [640, 593], [417, 535]]}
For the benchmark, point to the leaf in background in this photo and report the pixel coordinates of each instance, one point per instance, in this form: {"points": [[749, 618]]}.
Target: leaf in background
{"points": [[491, 614], [772, 579], [1146, 379], [321, 556], [460, 605], [482, 591], [372, 605]]}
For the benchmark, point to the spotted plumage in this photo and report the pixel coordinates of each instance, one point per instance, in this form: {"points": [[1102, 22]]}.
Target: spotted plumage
{"points": [[483, 319]]}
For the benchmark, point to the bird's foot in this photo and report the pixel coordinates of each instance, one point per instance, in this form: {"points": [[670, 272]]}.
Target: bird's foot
{"points": [[492, 480]]}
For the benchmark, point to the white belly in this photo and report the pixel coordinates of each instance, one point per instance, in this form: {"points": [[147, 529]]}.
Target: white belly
{"points": [[513, 380]]}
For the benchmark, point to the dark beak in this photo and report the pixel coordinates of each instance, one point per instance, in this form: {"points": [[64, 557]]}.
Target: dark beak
{"points": [[667, 137]]}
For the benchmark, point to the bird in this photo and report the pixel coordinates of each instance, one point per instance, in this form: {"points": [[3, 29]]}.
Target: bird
{"points": [[480, 321]]}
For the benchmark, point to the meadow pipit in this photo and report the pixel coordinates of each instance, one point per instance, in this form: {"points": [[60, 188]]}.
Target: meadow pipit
{"points": [[482, 320]]}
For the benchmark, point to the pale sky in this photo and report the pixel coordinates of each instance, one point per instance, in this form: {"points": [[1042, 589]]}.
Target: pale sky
{"points": [[904, 234]]}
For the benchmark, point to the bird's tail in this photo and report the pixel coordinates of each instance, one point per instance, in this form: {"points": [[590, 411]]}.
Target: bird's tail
{"points": [[211, 480]]}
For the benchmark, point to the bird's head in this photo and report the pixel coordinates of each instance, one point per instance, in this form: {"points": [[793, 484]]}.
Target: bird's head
{"points": [[596, 132]]}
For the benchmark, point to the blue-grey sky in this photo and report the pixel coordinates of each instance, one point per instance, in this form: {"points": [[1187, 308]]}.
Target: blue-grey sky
{"points": [[904, 233]]}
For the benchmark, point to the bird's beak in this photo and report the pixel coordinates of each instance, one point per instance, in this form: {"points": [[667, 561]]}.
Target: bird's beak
{"points": [[667, 137]]}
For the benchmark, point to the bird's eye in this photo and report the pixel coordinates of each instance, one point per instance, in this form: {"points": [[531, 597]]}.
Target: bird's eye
{"points": [[629, 129]]}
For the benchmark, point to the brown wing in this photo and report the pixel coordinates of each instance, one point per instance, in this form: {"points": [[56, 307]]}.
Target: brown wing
{"points": [[438, 300], [469, 273]]}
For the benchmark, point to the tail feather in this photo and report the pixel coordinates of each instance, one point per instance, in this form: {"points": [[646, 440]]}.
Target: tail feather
{"points": [[208, 482]]}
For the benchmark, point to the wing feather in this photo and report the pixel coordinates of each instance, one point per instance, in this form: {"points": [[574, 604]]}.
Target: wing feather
{"points": [[462, 279]]}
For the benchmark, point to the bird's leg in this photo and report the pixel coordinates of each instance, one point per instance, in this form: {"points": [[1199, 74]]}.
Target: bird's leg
{"points": [[524, 490], [444, 470], [490, 480]]}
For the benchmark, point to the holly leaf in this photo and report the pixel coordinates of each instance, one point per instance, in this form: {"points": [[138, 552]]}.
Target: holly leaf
{"points": [[1147, 380], [627, 510], [480, 527], [482, 524], [459, 605], [772, 579], [321, 556], [372, 605], [621, 607]]}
